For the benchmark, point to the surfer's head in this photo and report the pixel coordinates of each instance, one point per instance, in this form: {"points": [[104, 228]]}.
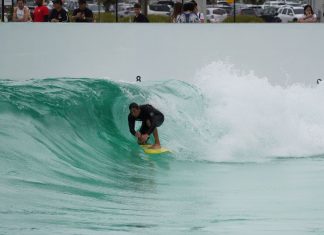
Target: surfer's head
{"points": [[134, 109]]}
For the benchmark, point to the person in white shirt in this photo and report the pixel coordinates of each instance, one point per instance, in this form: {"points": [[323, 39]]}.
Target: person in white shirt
{"points": [[309, 16], [21, 12], [177, 10], [188, 15], [200, 15]]}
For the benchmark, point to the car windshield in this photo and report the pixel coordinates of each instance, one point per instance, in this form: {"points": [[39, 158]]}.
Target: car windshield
{"points": [[163, 8], [299, 11], [219, 12]]}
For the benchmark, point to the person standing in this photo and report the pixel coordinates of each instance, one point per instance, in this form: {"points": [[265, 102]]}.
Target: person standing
{"points": [[200, 15], [139, 17], [58, 14], [188, 15], [21, 12], [82, 14], [177, 10], [41, 12]]}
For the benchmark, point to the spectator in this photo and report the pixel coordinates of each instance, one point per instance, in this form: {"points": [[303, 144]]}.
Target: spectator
{"points": [[82, 14], [188, 15], [21, 12], [200, 15], [139, 17], [41, 12], [58, 14], [177, 10], [309, 16]]}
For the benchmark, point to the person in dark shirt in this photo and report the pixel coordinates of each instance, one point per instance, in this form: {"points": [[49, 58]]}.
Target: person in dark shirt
{"points": [[82, 14], [139, 17], [58, 14], [151, 119]]}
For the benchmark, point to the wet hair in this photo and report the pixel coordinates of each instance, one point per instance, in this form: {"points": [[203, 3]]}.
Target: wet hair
{"points": [[137, 6], [133, 105], [308, 6], [188, 6]]}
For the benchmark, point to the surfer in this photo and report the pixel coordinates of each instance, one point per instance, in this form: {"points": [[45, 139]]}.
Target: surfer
{"points": [[151, 119]]}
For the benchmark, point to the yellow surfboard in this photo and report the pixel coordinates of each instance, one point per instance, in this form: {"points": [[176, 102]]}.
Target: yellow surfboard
{"points": [[148, 150]]}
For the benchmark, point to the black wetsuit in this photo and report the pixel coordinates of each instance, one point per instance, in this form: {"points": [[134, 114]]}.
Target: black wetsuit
{"points": [[148, 113]]}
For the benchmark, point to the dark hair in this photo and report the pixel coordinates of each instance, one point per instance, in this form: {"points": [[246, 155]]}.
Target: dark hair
{"points": [[82, 2], [133, 105], [188, 6], [137, 6], [58, 1], [177, 10], [195, 3], [308, 6]]}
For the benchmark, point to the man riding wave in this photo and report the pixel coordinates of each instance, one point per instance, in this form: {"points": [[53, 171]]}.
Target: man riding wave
{"points": [[151, 119]]}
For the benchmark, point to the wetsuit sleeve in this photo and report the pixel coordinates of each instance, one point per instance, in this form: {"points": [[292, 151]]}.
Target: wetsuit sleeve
{"points": [[131, 124]]}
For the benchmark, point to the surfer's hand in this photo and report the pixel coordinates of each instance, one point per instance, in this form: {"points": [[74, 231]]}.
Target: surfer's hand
{"points": [[138, 134], [144, 137]]}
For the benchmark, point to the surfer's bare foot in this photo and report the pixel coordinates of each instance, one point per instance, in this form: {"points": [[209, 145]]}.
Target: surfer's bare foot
{"points": [[155, 146]]}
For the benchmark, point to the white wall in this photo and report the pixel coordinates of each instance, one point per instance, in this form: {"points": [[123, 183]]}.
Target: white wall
{"points": [[285, 53]]}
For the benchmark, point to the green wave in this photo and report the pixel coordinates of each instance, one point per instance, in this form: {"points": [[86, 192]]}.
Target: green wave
{"points": [[75, 130]]}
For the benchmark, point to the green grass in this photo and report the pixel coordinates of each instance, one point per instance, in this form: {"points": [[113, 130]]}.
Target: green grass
{"points": [[110, 18], [244, 19]]}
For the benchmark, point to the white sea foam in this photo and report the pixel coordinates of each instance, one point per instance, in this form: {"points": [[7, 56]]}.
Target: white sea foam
{"points": [[248, 118]]}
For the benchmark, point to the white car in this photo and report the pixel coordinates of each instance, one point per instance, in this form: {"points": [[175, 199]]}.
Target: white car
{"points": [[278, 4], [216, 15], [290, 14], [159, 9], [126, 10]]}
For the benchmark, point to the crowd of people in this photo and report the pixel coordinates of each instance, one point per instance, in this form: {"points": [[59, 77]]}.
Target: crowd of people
{"points": [[182, 13], [57, 14]]}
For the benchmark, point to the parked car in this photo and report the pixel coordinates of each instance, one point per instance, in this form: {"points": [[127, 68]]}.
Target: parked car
{"points": [[165, 2], [95, 8], [223, 3], [290, 14], [158, 9], [238, 8], [251, 12], [270, 14], [270, 3], [216, 15], [125, 10]]}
